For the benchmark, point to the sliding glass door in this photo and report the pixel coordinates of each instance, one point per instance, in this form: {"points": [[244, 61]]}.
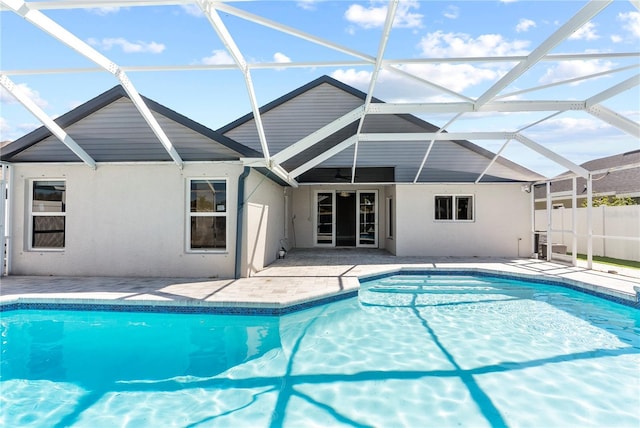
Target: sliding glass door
{"points": [[346, 218]]}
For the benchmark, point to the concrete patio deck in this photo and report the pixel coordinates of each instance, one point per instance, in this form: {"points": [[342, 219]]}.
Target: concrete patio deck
{"points": [[303, 276]]}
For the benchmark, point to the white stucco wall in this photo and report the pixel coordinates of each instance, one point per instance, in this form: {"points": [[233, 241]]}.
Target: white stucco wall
{"points": [[501, 227], [123, 220], [264, 223]]}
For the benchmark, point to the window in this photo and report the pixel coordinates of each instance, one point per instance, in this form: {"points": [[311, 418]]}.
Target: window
{"points": [[454, 208], [48, 212], [208, 215]]}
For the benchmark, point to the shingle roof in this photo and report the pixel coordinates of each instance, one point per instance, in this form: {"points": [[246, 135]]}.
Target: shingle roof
{"points": [[103, 100], [345, 133], [618, 182]]}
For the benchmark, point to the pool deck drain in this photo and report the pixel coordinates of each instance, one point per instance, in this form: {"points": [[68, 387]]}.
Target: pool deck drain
{"points": [[301, 278]]}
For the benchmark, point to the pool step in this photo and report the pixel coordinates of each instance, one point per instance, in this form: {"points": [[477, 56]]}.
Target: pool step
{"points": [[446, 289]]}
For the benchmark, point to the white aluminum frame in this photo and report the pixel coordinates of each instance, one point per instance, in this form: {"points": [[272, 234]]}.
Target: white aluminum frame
{"points": [[486, 102]]}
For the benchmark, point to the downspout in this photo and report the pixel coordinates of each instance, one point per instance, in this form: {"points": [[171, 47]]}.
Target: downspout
{"points": [[241, 181]]}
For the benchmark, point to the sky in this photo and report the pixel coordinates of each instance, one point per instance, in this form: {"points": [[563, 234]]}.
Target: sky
{"points": [[180, 35]]}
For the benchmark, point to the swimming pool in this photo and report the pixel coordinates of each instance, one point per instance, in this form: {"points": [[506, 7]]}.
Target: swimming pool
{"points": [[410, 350]]}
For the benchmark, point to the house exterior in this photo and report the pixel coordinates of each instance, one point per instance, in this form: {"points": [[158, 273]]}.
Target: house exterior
{"points": [[615, 183], [136, 213], [223, 214], [438, 210]]}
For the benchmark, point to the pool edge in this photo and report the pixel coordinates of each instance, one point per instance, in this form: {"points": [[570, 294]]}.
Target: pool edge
{"points": [[195, 306]]}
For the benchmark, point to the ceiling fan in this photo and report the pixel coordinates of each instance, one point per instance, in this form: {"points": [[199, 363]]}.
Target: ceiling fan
{"points": [[340, 176]]}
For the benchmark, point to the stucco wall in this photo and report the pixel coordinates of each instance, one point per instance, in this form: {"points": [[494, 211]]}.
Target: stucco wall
{"points": [[501, 227], [123, 220], [264, 225]]}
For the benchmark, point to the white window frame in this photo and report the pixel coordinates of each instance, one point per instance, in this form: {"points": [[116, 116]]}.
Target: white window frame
{"points": [[376, 212], [190, 214], [33, 214], [315, 218], [390, 214], [454, 208]]}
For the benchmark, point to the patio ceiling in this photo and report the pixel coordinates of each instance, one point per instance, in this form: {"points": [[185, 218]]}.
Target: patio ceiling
{"points": [[493, 100]]}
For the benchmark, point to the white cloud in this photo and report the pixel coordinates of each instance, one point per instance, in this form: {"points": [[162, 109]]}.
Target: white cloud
{"points": [[127, 46], [616, 38], [192, 9], [371, 17], [525, 25], [455, 77], [392, 87], [103, 10], [452, 12], [219, 57], [441, 44], [586, 32], [4, 126], [374, 16], [11, 133], [307, 4], [281, 58], [631, 22], [571, 125], [571, 69], [32, 94]]}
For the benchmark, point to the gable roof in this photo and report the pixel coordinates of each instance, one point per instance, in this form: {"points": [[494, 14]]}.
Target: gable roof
{"points": [[619, 182], [293, 94], [13, 150], [415, 124]]}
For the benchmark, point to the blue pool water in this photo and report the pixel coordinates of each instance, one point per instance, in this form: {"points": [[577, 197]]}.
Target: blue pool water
{"points": [[408, 351]]}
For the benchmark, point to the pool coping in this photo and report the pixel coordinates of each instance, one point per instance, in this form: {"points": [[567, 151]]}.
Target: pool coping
{"points": [[298, 303]]}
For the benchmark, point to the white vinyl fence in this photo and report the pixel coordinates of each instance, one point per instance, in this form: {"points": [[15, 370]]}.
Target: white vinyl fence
{"points": [[616, 230]]}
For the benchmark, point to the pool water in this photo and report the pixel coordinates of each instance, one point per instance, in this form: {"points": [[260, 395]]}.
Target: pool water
{"points": [[409, 351]]}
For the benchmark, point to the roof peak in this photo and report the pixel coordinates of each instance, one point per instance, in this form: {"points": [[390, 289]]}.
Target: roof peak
{"points": [[106, 98]]}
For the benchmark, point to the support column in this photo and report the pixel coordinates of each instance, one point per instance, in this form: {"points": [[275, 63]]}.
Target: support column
{"points": [[589, 221], [3, 219], [549, 208], [574, 226]]}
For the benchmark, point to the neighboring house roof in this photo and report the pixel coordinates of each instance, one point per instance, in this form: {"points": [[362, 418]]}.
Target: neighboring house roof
{"points": [[110, 128], [623, 182], [305, 110]]}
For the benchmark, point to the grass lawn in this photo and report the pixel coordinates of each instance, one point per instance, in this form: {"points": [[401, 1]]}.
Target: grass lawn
{"points": [[611, 261]]}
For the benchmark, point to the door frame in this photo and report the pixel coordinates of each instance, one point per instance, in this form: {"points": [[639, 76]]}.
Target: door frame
{"points": [[334, 192]]}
